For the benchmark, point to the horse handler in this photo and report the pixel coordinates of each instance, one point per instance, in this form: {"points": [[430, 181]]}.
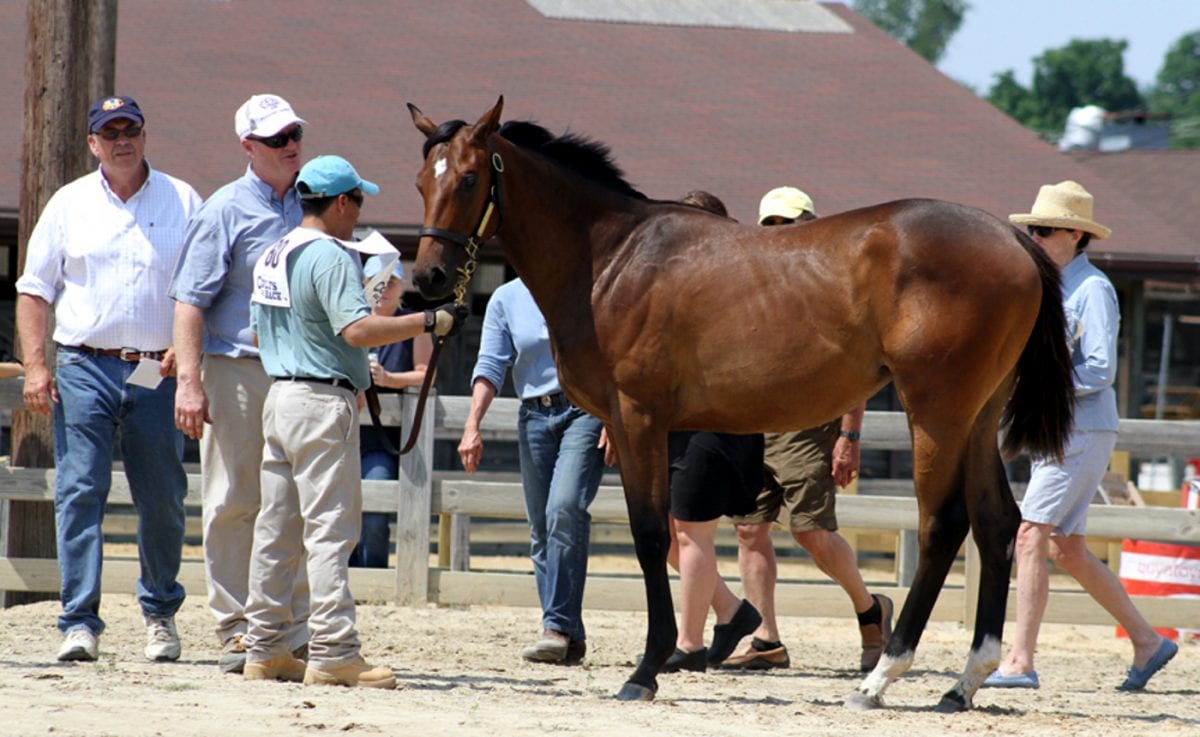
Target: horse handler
{"points": [[313, 325]]}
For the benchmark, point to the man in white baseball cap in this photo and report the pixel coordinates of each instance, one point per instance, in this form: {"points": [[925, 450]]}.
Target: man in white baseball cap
{"points": [[263, 116], [211, 289]]}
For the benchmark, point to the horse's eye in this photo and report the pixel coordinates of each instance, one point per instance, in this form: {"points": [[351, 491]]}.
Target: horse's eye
{"points": [[468, 180]]}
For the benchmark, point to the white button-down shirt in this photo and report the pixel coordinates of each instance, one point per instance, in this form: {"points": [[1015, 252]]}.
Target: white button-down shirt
{"points": [[105, 264]]}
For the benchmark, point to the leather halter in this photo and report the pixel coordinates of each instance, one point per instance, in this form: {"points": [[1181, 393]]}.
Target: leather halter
{"points": [[471, 243]]}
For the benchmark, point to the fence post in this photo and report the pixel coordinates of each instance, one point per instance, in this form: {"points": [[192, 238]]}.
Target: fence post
{"points": [[415, 504], [460, 542], [973, 570], [906, 557]]}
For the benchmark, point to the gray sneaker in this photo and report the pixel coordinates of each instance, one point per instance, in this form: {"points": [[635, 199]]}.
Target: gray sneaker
{"points": [[162, 641], [233, 656], [80, 643], [550, 648]]}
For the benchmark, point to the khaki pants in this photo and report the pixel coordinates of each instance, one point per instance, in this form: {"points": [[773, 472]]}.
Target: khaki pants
{"points": [[311, 502], [230, 457]]}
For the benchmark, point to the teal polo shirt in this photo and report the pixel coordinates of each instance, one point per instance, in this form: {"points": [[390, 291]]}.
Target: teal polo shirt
{"points": [[305, 339]]}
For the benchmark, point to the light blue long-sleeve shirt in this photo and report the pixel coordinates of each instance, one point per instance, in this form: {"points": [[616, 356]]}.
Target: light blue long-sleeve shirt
{"points": [[224, 240], [1093, 321], [515, 335]]}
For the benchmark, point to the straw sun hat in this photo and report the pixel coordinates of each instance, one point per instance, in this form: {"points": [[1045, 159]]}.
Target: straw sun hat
{"points": [[1063, 205]]}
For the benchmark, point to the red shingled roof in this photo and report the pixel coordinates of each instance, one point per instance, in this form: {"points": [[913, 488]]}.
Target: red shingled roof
{"points": [[853, 119]]}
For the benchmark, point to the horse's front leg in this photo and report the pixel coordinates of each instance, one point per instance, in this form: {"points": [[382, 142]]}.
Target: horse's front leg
{"points": [[642, 452]]}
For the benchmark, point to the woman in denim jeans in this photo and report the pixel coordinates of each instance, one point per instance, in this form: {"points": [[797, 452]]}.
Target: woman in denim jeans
{"points": [[561, 463]]}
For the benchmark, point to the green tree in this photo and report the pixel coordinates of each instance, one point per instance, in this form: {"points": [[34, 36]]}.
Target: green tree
{"points": [[1084, 72], [1177, 91], [925, 26]]}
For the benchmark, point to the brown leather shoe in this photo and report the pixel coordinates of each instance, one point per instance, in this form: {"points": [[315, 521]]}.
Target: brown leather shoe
{"points": [[753, 658], [551, 648], [359, 673], [278, 668], [875, 636]]}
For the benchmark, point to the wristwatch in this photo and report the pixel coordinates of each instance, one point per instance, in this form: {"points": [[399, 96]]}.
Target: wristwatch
{"points": [[850, 434]]}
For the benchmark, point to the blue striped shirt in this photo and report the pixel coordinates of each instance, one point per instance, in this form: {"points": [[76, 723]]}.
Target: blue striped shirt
{"points": [[224, 240]]}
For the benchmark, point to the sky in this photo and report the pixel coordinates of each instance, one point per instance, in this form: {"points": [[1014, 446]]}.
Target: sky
{"points": [[1006, 34]]}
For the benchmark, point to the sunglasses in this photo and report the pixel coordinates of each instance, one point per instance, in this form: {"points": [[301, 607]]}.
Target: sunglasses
{"points": [[279, 140], [112, 134], [356, 197], [778, 220], [1043, 231]]}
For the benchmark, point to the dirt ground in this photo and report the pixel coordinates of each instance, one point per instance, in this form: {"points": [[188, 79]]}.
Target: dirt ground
{"points": [[459, 673]]}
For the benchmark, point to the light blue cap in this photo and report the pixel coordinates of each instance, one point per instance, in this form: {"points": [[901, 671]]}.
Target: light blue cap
{"points": [[330, 176], [374, 264]]}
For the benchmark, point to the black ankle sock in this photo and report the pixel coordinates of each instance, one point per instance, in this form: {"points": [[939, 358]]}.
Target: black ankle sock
{"points": [[763, 645], [874, 615]]}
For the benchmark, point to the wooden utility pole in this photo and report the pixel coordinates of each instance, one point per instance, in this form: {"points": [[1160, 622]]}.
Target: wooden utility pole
{"points": [[70, 55]]}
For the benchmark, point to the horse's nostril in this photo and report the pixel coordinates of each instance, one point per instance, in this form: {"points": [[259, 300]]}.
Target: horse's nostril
{"points": [[437, 277]]}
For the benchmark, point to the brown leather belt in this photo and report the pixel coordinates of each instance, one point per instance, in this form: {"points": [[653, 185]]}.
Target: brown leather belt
{"points": [[125, 354], [557, 399]]}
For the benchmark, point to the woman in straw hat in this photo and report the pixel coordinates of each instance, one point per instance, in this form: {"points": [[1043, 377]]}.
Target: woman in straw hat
{"points": [[1054, 511]]}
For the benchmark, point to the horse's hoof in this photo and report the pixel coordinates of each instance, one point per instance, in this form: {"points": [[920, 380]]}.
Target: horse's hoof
{"points": [[859, 701], [951, 703], [634, 692]]}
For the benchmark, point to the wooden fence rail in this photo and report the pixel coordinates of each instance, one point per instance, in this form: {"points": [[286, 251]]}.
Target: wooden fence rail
{"points": [[454, 499]]}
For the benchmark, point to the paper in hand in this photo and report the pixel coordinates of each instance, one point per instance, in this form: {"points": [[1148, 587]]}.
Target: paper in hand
{"points": [[147, 374]]}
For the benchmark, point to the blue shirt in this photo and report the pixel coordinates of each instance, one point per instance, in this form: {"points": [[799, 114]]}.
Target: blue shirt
{"points": [[1093, 321], [515, 335], [304, 339], [224, 239]]}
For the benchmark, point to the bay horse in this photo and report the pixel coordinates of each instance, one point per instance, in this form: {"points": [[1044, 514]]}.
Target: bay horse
{"points": [[665, 317]]}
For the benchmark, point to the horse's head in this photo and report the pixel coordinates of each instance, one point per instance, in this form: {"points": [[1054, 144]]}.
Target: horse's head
{"points": [[457, 183]]}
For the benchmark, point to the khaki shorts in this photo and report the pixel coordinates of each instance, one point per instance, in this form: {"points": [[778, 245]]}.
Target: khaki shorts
{"points": [[798, 476]]}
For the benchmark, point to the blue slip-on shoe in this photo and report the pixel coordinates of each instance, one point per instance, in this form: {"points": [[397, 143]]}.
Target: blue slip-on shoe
{"points": [[1139, 677], [1016, 680]]}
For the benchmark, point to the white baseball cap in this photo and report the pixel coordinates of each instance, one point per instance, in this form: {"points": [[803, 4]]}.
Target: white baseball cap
{"points": [[264, 116]]}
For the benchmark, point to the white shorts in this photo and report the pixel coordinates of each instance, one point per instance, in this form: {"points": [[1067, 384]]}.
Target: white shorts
{"points": [[1059, 493]]}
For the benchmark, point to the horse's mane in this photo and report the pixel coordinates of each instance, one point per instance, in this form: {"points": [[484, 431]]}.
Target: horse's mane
{"points": [[590, 159]]}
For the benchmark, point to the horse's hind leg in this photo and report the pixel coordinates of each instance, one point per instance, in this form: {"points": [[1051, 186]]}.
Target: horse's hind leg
{"points": [[994, 520], [937, 473], [642, 454]]}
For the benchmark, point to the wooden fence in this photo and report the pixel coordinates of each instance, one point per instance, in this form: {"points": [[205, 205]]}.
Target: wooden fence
{"points": [[454, 499]]}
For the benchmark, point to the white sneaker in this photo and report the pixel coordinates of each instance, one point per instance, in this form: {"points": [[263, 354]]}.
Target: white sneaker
{"points": [[162, 641], [80, 643]]}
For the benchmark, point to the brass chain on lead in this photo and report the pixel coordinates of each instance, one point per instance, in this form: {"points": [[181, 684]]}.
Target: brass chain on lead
{"points": [[466, 271]]}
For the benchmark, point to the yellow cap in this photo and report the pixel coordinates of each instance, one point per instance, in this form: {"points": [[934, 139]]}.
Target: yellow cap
{"points": [[784, 202]]}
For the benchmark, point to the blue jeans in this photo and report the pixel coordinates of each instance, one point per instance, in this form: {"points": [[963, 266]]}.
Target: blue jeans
{"points": [[560, 470], [374, 542], [95, 407]]}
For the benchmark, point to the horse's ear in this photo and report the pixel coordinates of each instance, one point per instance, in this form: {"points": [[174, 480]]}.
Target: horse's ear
{"points": [[488, 124], [424, 124]]}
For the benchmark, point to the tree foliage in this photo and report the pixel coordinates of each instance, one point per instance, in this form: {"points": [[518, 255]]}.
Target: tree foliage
{"points": [[1084, 72], [925, 26], [1177, 90]]}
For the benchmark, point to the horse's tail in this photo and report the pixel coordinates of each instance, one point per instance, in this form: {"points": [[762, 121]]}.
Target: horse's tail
{"points": [[1040, 412]]}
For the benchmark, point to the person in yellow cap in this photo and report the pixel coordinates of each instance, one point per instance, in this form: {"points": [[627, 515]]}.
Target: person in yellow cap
{"points": [[803, 470], [1054, 510]]}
